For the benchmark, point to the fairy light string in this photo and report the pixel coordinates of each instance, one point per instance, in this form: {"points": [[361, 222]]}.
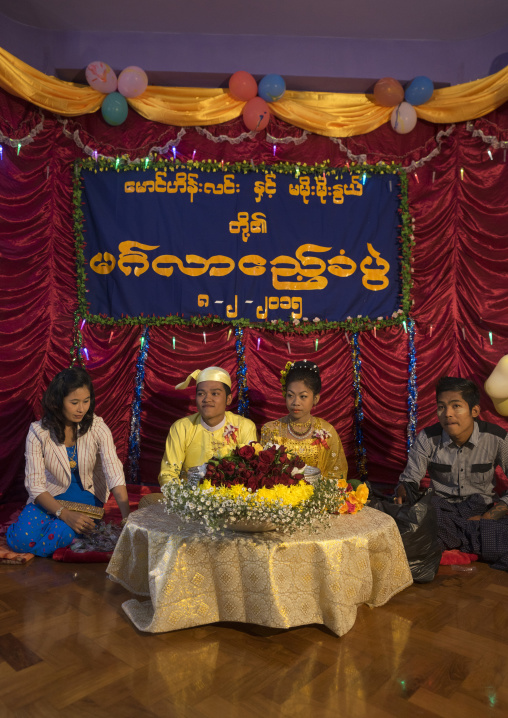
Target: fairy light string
{"points": [[241, 374], [360, 453], [134, 438]]}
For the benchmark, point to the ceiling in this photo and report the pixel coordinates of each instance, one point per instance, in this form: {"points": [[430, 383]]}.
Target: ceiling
{"points": [[368, 19]]}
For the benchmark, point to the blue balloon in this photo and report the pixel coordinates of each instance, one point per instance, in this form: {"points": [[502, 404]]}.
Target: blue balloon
{"points": [[114, 108], [419, 90], [271, 88]]}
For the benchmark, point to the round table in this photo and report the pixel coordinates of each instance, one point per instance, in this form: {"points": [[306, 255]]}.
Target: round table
{"points": [[270, 579]]}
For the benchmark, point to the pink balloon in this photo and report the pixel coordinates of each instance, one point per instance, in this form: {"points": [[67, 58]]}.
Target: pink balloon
{"points": [[101, 77], [388, 92], [243, 86], [403, 118], [132, 81], [256, 114]]}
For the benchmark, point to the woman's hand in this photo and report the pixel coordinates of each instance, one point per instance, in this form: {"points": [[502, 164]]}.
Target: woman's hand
{"points": [[78, 522]]}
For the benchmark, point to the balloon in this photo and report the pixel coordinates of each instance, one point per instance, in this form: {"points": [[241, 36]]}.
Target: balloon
{"points": [[132, 81], [243, 86], [114, 108], [256, 114], [496, 386], [388, 92], [271, 88], [101, 77], [403, 118], [419, 90]]}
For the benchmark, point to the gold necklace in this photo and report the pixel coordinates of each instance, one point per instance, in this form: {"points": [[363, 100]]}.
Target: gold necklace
{"points": [[73, 457], [305, 434]]}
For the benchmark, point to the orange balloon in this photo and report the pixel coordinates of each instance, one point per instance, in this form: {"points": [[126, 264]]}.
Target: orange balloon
{"points": [[256, 114], [388, 92]]}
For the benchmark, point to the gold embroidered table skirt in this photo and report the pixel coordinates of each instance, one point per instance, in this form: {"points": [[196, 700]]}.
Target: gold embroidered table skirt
{"points": [[268, 579]]}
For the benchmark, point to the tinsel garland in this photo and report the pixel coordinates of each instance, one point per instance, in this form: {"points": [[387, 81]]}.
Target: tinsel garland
{"points": [[412, 387], [360, 453], [241, 374], [134, 447], [76, 351]]}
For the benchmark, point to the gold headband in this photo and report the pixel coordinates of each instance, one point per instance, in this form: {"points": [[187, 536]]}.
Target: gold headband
{"points": [[211, 373]]}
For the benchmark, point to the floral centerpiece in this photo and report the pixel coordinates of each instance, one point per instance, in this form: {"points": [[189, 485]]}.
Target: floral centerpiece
{"points": [[261, 485]]}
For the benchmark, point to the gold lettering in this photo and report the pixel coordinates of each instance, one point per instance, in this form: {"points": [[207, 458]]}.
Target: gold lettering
{"points": [[338, 194], [258, 223], [259, 190], [203, 299], [160, 181], [129, 255], [273, 302], [262, 313], [305, 189], [315, 282], [230, 312], [356, 187], [336, 265], [229, 184], [321, 188], [297, 304], [103, 267], [130, 187], [221, 271], [372, 277], [270, 184], [242, 225], [192, 185], [253, 259], [140, 187], [285, 302], [189, 271]]}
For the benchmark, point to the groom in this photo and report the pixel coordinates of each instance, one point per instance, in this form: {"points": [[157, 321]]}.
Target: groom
{"points": [[193, 440]]}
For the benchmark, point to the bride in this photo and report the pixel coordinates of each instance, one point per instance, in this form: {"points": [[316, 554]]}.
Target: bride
{"points": [[312, 438]]}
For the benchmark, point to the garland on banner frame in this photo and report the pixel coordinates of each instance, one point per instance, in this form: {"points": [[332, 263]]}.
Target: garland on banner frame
{"points": [[356, 324]]}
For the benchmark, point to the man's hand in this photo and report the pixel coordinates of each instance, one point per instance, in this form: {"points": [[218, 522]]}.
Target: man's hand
{"points": [[400, 495], [497, 512]]}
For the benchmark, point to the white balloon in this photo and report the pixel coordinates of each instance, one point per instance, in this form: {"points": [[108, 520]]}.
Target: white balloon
{"points": [[403, 118], [496, 386]]}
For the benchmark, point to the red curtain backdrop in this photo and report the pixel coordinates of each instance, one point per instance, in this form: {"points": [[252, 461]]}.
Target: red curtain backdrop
{"points": [[458, 199]]}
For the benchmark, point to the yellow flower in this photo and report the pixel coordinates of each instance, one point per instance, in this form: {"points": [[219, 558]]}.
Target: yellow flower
{"points": [[257, 447], [342, 483], [362, 493]]}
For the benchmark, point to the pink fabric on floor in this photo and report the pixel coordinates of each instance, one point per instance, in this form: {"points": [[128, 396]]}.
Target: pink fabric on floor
{"points": [[455, 557]]}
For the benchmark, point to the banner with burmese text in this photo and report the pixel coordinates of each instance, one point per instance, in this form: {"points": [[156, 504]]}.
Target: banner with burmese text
{"points": [[260, 246]]}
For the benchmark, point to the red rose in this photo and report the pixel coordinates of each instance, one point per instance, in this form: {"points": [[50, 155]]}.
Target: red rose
{"points": [[252, 483], [283, 458], [298, 477], [247, 452], [276, 471], [265, 458]]}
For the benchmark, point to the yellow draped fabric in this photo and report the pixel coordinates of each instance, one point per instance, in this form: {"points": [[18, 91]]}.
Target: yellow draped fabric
{"points": [[324, 113]]}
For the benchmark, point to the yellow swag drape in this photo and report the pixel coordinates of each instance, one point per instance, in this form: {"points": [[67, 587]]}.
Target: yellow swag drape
{"points": [[324, 113]]}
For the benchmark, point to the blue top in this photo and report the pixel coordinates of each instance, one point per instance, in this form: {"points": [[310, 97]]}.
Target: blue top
{"points": [[76, 492]]}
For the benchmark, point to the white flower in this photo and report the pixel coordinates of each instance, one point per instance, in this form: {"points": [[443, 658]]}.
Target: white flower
{"points": [[316, 320], [305, 319], [296, 322]]}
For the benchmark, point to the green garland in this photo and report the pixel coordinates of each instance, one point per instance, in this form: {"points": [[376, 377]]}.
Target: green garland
{"points": [[357, 324]]}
